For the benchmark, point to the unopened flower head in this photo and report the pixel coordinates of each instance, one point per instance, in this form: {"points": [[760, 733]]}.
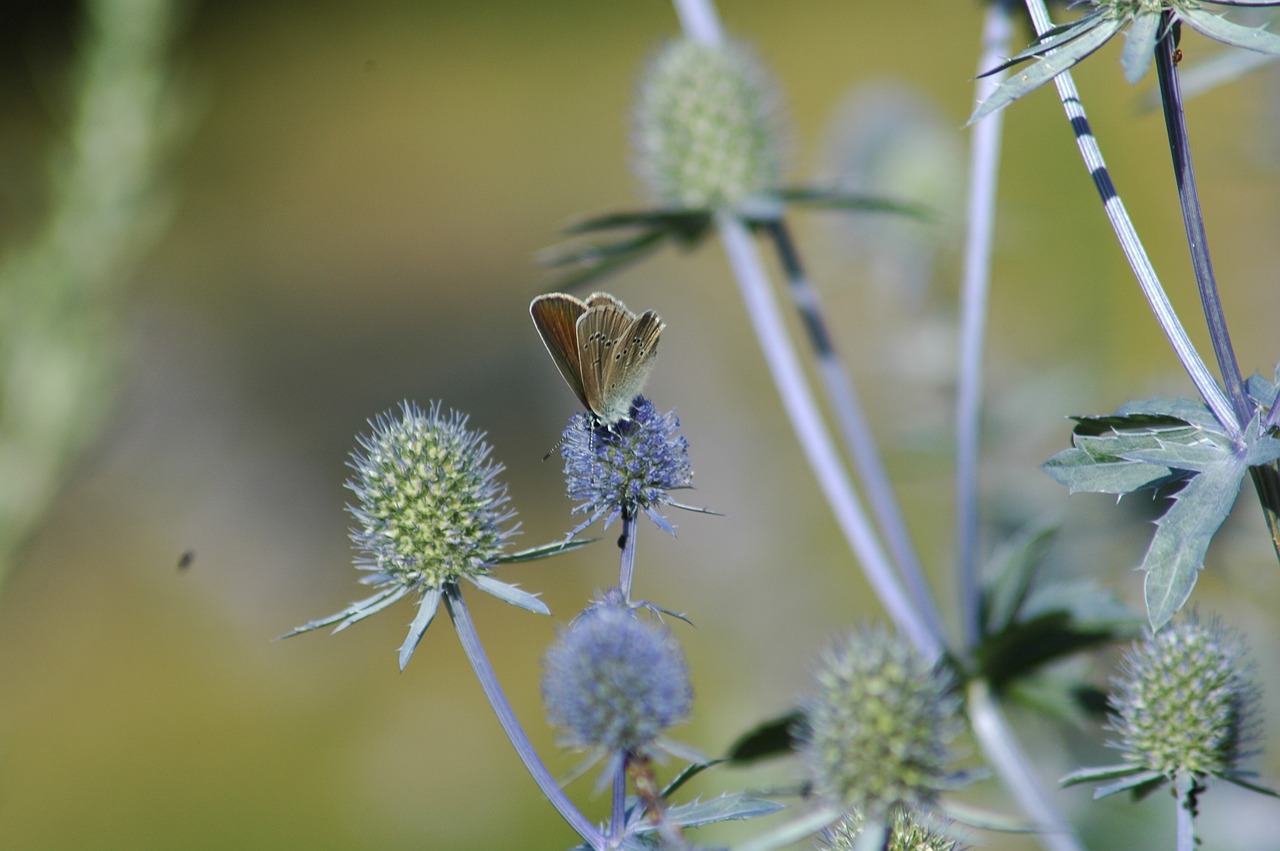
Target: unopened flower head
{"points": [[430, 507], [906, 833], [706, 133], [876, 734], [1184, 703], [615, 681], [628, 468]]}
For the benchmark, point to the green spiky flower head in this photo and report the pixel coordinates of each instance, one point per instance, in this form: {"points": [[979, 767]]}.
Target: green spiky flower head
{"points": [[906, 833], [1184, 703], [706, 133], [877, 731], [430, 507]]}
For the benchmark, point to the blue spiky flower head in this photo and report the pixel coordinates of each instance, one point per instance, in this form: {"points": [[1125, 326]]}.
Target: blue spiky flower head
{"points": [[1184, 703], [627, 468], [706, 129], [615, 681], [876, 732]]}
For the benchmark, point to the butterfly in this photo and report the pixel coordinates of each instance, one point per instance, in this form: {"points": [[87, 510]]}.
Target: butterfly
{"points": [[604, 351]]}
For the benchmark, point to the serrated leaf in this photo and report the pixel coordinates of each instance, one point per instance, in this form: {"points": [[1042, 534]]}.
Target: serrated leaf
{"points": [[1246, 2], [1244, 783], [1014, 566], [730, 807], [510, 594], [842, 199], [1030, 79], [1220, 29], [1050, 39], [683, 221], [1195, 452], [1082, 472], [426, 613], [1261, 391], [545, 550], [1191, 411], [1099, 773], [769, 739], [1142, 784], [1176, 554], [1140, 45], [355, 612]]}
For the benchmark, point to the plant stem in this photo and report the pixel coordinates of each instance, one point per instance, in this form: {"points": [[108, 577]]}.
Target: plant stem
{"points": [[814, 437], [1185, 791], [617, 822], [1000, 747], [1193, 221], [984, 160], [859, 440], [627, 567], [1131, 244], [471, 645]]}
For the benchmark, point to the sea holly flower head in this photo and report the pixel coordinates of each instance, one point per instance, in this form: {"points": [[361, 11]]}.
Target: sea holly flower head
{"points": [[1184, 703], [626, 468], [706, 130], [614, 681], [1185, 708], [1145, 23], [877, 731], [430, 511], [907, 832]]}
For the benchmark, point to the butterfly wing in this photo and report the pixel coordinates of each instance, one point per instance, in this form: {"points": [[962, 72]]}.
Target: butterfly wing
{"points": [[617, 351], [556, 316]]}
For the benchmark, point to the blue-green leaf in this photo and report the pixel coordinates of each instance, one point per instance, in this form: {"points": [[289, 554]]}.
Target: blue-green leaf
{"points": [[1046, 69], [1140, 45], [1220, 29], [1082, 472], [355, 612], [426, 612], [1149, 779], [1098, 773], [730, 807], [510, 594], [1176, 555], [1014, 566], [545, 550]]}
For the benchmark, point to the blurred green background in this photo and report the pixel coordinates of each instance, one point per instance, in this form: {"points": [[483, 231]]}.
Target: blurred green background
{"points": [[354, 209]]}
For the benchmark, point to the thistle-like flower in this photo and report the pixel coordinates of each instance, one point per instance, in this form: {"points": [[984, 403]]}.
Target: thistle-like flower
{"points": [[430, 512], [614, 681], [706, 133], [906, 833], [629, 468], [1147, 21], [876, 734], [1184, 707]]}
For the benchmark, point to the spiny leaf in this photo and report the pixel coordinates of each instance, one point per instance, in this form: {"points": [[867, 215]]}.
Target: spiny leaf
{"points": [[1140, 45], [1047, 68], [1176, 554], [1220, 29]]}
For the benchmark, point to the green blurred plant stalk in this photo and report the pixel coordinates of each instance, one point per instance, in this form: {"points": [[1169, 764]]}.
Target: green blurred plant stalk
{"points": [[60, 338]]}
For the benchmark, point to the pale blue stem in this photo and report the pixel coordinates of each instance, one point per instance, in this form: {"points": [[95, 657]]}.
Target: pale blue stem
{"points": [[1184, 795], [984, 169], [1132, 245], [699, 21], [1000, 748], [471, 645], [814, 437], [627, 567], [618, 821]]}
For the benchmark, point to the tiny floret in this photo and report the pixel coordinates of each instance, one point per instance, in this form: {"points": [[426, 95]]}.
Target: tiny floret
{"points": [[615, 681], [876, 734], [1184, 703], [430, 507], [705, 127], [627, 468]]}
